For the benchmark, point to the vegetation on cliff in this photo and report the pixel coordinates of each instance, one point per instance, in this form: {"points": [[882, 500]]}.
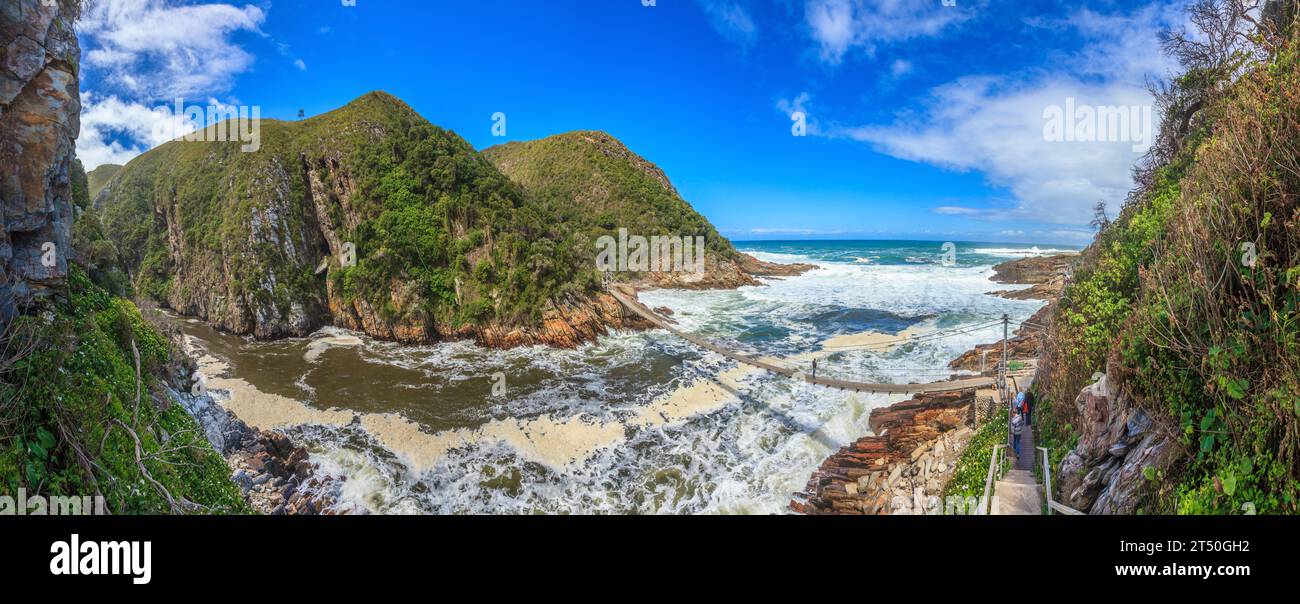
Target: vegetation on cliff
{"points": [[967, 479], [94, 417], [1190, 300], [98, 178], [92, 249], [441, 237]]}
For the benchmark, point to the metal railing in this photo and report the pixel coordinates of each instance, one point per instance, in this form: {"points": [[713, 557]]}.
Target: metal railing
{"points": [[1052, 504], [997, 468]]}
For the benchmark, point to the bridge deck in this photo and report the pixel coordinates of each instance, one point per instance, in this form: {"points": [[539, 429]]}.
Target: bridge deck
{"points": [[629, 300]]}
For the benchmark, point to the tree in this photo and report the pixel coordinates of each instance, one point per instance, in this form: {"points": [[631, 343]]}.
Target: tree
{"points": [[1099, 219]]}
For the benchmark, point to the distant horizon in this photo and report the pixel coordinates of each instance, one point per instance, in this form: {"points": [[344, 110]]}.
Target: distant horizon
{"points": [[1069, 246]]}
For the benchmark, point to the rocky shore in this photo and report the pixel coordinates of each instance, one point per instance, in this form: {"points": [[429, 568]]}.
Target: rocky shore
{"points": [[903, 466], [274, 475]]}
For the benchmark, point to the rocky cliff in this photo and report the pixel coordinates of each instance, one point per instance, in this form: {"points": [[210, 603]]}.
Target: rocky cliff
{"points": [[902, 467], [39, 122], [368, 217], [1120, 455], [371, 218]]}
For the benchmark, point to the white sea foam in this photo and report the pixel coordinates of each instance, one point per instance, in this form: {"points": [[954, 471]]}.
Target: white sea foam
{"points": [[599, 431]]}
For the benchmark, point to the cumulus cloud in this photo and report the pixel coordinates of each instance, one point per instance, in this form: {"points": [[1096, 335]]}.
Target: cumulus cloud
{"points": [[143, 54], [114, 130], [155, 49], [731, 20], [839, 26], [109, 129], [996, 124]]}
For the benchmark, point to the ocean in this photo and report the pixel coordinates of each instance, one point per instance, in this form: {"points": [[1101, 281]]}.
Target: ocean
{"points": [[638, 422]]}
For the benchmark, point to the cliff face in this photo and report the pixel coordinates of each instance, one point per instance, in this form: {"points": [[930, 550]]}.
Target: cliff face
{"points": [[39, 123], [368, 217], [1121, 452]]}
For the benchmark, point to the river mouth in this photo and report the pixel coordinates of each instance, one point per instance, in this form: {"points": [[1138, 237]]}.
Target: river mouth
{"points": [[637, 422]]}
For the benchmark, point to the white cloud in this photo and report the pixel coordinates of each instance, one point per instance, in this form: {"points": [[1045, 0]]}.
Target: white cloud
{"points": [[114, 131], [956, 211], [154, 49], [300, 64], [995, 124], [105, 124], [900, 68], [837, 26], [799, 104], [731, 20], [145, 53]]}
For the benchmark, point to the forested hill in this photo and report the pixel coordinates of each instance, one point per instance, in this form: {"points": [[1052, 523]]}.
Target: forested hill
{"points": [[446, 245]]}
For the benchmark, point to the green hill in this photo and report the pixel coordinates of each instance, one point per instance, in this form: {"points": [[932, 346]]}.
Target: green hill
{"points": [[595, 184], [445, 244], [100, 176], [593, 181]]}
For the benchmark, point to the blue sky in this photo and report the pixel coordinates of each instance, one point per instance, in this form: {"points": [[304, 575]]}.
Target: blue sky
{"points": [[923, 120]]}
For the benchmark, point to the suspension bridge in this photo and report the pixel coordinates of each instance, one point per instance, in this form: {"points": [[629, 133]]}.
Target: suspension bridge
{"points": [[627, 296]]}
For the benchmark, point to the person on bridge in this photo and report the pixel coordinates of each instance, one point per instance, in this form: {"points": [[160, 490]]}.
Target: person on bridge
{"points": [[1017, 426]]}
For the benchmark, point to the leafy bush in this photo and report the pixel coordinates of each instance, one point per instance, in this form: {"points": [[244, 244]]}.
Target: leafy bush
{"points": [[74, 393]]}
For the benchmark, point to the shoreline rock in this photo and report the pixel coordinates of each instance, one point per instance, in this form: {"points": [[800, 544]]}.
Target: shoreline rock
{"points": [[902, 468], [274, 475]]}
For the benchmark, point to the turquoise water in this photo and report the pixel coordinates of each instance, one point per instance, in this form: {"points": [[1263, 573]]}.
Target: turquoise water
{"points": [[894, 253]]}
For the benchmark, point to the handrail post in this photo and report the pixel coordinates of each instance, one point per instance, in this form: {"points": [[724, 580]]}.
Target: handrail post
{"points": [[1047, 478]]}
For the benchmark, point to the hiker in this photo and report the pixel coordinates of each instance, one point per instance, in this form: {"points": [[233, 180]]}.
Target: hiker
{"points": [[1026, 406], [1017, 424], [814, 369]]}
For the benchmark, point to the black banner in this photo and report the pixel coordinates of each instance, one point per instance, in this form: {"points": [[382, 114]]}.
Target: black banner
{"points": [[316, 552]]}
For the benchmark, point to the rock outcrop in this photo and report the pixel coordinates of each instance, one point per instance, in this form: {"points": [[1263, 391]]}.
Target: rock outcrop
{"points": [[39, 122], [1047, 275], [902, 468], [275, 475], [1120, 450]]}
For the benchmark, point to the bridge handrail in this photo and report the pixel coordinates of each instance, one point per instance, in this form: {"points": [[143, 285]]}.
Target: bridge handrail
{"points": [[1053, 504]]}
